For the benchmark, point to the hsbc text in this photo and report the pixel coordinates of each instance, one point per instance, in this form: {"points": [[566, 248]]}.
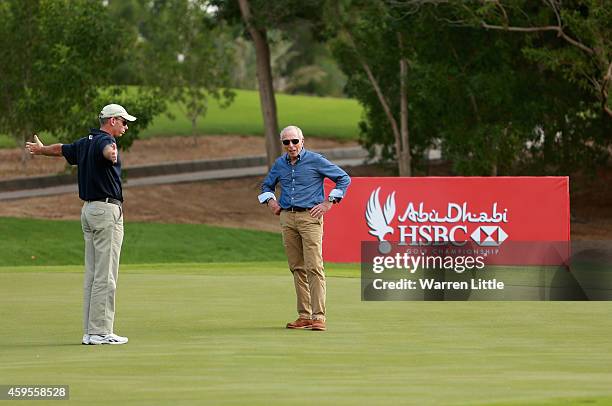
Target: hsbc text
{"points": [[420, 235]]}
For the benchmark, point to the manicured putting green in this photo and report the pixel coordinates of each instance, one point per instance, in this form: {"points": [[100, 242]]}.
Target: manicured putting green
{"points": [[214, 334]]}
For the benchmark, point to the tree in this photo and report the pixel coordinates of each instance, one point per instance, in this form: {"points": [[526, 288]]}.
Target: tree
{"points": [[581, 48], [562, 81], [486, 96], [300, 62], [46, 66], [56, 61], [371, 45], [183, 56], [476, 93], [264, 80], [258, 17]]}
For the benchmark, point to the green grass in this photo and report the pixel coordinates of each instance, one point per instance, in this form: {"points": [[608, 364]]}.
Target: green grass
{"points": [[46, 138], [204, 308], [213, 334], [48, 242], [317, 116], [6, 142]]}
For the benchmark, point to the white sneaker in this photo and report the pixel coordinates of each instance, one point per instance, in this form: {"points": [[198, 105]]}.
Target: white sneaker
{"points": [[85, 340], [97, 339]]}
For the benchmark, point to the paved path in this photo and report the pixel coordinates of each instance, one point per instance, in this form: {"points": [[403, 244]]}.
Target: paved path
{"points": [[350, 157]]}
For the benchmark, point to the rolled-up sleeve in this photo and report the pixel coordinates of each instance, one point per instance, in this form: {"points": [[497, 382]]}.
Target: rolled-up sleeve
{"points": [[269, 184], [336, 175]]}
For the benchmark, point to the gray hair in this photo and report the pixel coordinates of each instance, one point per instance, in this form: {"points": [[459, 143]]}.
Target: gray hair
{"points": [[292, 128], [103, 120]]}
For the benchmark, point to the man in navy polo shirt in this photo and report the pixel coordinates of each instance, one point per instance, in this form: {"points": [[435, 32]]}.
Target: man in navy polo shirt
{"points": [[99, 175], [302, 204]]}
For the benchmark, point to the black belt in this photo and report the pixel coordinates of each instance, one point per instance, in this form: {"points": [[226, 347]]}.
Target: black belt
{"points": [[108, 200], [293, 209]]}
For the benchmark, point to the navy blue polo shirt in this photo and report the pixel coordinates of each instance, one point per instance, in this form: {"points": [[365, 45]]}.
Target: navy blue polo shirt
{"points": [[98, 177]]}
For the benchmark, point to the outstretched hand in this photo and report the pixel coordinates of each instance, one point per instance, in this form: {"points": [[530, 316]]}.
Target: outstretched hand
{"points": [[34, 148]]}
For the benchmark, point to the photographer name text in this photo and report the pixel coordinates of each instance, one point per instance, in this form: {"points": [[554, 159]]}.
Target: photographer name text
{"points": [[432, 284]]}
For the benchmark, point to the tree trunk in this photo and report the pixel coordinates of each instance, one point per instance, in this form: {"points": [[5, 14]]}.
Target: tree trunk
{"points": [[24, 160], [193, 130], [264, 80], [403, 156], [397, 134], [25, 156]]}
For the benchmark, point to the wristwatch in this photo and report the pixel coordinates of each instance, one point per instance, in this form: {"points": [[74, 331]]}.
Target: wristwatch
{"points": [[332, 199]]}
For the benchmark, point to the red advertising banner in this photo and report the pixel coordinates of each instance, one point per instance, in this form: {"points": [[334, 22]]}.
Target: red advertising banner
{"points": [[525, 217]]}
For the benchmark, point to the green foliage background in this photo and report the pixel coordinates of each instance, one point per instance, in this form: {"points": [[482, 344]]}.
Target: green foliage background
{"points": [[495, 102]]}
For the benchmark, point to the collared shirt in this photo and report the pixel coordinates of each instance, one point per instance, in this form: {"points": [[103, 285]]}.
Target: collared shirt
{"points": [[98, 177], [302, 183]]}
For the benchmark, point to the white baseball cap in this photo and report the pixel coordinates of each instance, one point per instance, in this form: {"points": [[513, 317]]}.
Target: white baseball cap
{"points": [[115, 110]]}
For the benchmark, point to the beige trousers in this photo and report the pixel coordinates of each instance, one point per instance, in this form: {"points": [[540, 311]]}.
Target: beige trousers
{"points": [[303, 241], [102, 225]]}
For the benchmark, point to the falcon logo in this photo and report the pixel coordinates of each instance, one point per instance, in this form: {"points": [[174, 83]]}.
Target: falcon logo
{"points": [[489, 236], [378, 218]]}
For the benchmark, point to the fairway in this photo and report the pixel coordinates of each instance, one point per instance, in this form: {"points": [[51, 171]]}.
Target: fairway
{"points": [[328, 117], [214, 333], [317, 116], [35, 242]]}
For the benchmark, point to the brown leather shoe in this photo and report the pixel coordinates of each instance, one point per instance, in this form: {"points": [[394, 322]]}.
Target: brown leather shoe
{"points": [[318, 325], [300, 324]]}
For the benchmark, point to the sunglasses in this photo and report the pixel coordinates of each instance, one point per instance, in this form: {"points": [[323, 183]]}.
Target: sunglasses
{"points": [[294, 141], [124, 122]]}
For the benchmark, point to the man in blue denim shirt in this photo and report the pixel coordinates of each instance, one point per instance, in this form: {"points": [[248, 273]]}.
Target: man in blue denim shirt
{"points": [[302, 204]]}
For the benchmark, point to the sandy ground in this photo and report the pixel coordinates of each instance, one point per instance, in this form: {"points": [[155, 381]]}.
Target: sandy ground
{"points": [[232, 203], [227, 203]]}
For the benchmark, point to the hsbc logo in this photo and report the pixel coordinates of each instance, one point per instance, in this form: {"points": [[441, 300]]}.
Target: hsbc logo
{"points": [[489, 236], [416, 225]]}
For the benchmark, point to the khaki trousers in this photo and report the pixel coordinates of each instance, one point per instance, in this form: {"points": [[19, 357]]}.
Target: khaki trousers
{"points": [[102, 225], [303, 241]]}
